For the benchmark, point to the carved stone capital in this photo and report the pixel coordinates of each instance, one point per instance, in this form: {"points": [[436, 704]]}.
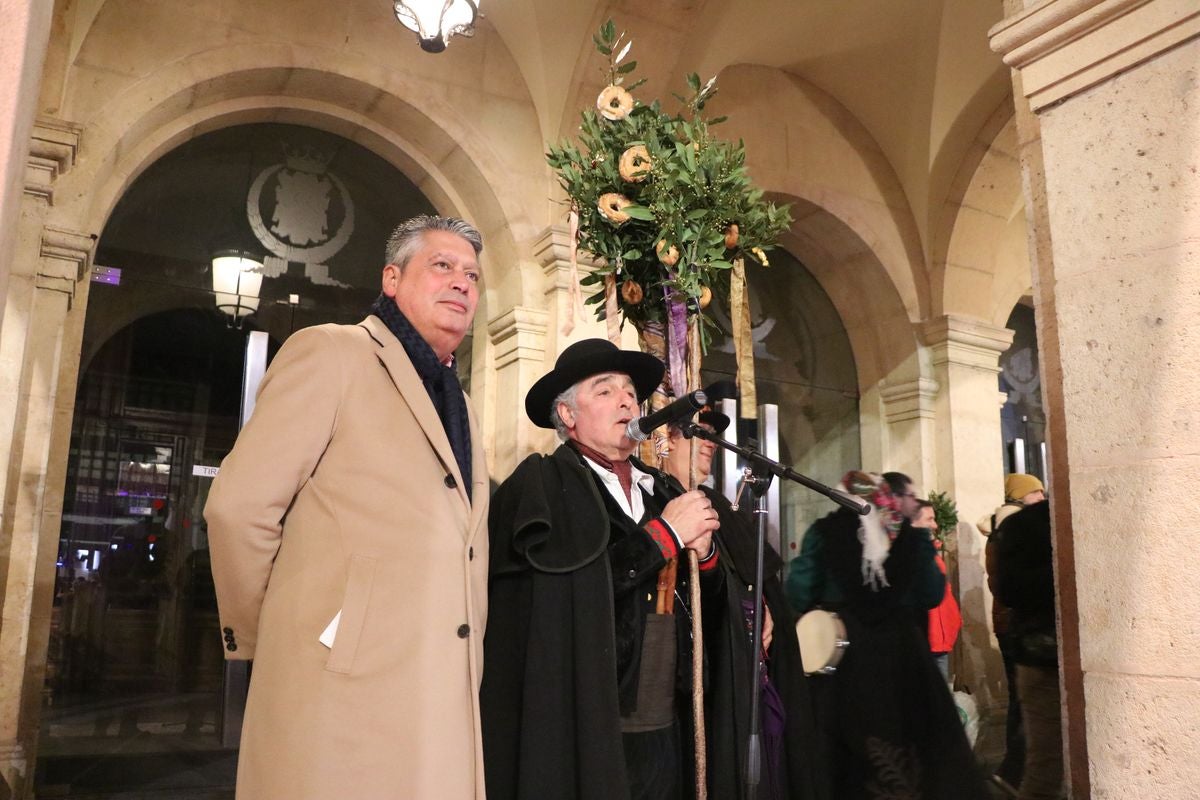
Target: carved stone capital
{"points": [[52, 151], [552, 249], [909, 400], [965, 342], [1063, 47], [519, 334], [63, 260]]}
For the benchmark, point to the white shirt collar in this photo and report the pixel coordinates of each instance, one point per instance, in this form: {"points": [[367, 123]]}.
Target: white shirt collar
{"points": [[635, 506]]}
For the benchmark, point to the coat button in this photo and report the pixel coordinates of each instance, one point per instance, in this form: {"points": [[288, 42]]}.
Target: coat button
{"points": [[229, 637], [450, 482], [464, 631], [231, 646], [227, 631], [633, 573], [470, 553]]}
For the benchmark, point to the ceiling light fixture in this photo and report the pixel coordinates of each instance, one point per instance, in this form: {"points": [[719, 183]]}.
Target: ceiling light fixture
{"points": [[435, 21]]}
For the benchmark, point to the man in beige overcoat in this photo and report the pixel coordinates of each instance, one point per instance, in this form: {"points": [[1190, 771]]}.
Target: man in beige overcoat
{"points": [[349, 545]]}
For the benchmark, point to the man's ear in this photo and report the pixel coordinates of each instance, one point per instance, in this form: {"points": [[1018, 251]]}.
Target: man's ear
{"points": [[391, 280], [564, 413]]}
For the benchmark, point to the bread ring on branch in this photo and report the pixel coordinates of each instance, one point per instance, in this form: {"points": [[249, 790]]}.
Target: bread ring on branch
{"points": [[705, 297], [631, 292], [612, 206], [731, 236], [667, 255], [635, 164], [614, 103]]}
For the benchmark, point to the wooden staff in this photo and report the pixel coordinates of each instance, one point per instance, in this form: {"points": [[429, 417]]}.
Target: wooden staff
{"points": [[693, 355]]}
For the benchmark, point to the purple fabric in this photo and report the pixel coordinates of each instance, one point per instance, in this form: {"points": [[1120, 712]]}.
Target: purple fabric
{"points": [[677, 342], [772, 720]]}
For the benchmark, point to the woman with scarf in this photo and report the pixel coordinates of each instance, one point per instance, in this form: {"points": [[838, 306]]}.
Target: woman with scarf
{"points": [[889, 728]]}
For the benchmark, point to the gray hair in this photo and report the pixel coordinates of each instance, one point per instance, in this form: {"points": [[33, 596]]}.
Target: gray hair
{"points": [[567, 398], [408, 236]]}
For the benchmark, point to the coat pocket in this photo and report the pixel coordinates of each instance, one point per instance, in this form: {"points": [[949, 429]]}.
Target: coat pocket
{"points": [[359, 576]]}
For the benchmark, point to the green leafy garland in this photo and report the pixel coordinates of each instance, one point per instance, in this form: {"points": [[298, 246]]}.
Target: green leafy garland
{"points": [[664, 204]]}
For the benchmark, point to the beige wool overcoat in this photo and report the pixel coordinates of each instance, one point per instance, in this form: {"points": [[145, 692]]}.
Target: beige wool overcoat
{"points": [[342, 495]]}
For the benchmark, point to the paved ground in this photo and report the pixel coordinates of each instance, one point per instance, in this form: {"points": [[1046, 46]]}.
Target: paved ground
{"points": [[164, 747]]}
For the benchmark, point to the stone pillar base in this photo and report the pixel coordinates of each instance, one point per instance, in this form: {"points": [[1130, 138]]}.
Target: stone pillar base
{"points": [[14, 772]]}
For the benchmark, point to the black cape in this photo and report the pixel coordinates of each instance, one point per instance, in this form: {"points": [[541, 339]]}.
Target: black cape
{"points": [[550, 681], [731, 657], [551, 697]]}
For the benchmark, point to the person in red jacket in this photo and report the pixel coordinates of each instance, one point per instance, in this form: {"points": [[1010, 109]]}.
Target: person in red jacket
{"points": [[945, 621]]}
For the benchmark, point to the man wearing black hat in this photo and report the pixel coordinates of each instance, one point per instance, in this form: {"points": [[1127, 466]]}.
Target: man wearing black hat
{"points": [[580, 694], [786, 725]]}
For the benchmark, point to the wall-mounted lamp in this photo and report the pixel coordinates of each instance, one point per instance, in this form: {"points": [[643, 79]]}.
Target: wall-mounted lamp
{"points": [[435, 21], [237, 281]]}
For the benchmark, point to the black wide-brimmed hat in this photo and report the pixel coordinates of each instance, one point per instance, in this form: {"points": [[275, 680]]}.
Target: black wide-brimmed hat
{"points": [[582, 360]]}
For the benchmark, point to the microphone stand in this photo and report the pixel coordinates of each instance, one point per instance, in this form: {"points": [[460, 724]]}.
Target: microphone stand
{"points": [[758, 484], [758, 477], [773, 467]]}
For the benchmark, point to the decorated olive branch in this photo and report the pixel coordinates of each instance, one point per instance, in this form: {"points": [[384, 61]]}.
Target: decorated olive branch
{"points": [[671, 214], [665, 205]]}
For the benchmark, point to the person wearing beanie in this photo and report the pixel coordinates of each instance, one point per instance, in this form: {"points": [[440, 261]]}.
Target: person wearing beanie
{"points": [[1025, 553], [1023, 489], [1020, 490]]}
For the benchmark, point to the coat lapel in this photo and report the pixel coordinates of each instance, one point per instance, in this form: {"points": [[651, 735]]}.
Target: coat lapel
{"points": [[404, 376]]}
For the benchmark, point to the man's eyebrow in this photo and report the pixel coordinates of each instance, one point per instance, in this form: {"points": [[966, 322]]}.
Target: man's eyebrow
{"points": [[612, 376]]}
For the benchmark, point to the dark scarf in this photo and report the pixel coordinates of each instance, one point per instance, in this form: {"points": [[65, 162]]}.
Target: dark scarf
{"points": [[440, 381], [622, 469]]}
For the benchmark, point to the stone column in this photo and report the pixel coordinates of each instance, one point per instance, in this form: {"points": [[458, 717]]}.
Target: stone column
{"points": [[1116, 88], [518, 338], [966, 361], [24, 35], [553, 251], [45, 318], [909, 411], [51, 152]]}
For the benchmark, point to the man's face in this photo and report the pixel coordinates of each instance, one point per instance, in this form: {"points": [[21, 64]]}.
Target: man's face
{"points": [[604, 405], [908, 502], [1036, 496], [437, 290], [925, 518], [681, 448]]}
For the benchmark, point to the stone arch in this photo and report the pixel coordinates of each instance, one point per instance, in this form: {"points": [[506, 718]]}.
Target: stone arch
{"points": [[981, 258], [857, 283], [882, 337], [428, 117], [449, 177], [802, 143]]}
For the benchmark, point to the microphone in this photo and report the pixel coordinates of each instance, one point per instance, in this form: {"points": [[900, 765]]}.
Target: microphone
{"points": [[639, 428], [682, 408]]}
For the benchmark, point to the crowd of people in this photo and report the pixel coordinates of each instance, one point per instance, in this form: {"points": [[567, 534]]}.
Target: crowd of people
{"points": [[415, 638]]}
